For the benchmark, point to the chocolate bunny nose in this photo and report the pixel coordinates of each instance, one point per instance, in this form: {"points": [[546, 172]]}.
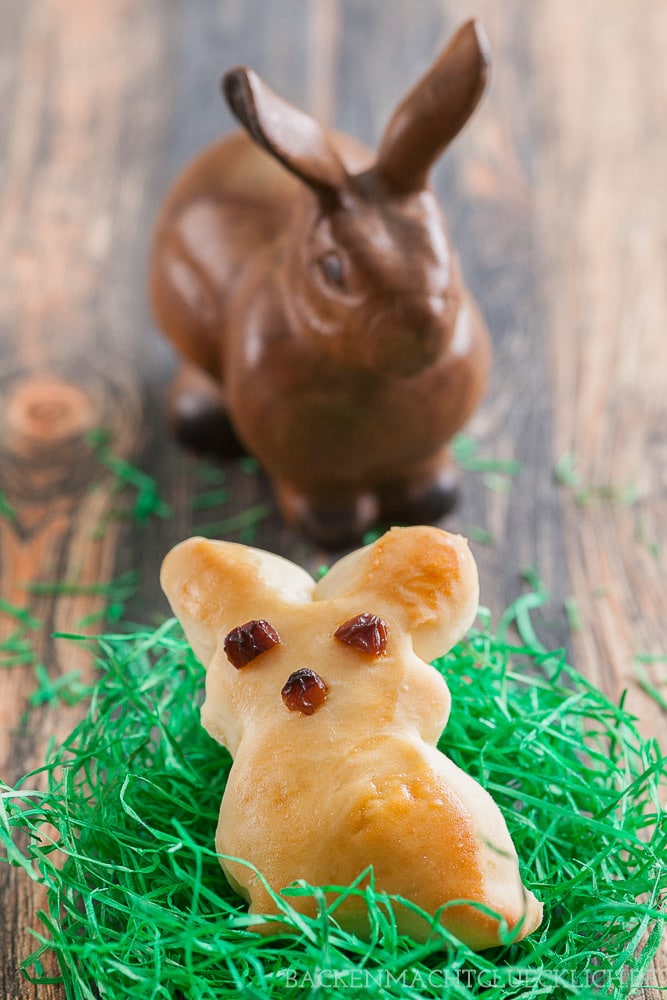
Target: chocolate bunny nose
{"points": [[403, 340]]}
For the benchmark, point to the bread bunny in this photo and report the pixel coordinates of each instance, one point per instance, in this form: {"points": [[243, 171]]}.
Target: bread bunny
{"points": [[325, 698], [312, 292]]}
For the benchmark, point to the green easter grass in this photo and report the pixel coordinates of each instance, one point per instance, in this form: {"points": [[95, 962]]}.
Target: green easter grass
{"points": [[138, 906]]}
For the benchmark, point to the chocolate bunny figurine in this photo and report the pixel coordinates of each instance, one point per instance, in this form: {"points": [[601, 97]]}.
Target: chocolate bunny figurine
{"points": [[319, 307]]}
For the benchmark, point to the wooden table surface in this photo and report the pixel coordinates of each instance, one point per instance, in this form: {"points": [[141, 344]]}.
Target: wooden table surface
{"points": [[557, 202]]}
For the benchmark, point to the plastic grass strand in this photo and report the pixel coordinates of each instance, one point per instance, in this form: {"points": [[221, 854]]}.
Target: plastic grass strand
{"points": [[646, 536], [566, 474], [123, 585], [210, 473], [245, 520], [148, 502], [19, 614], [115, 594], [138, 905], [211, 498], [66, 688], [248, 465], [648, 686], [17, 649], [6, 509], [572, 614], [464, 451], [479, 535]]}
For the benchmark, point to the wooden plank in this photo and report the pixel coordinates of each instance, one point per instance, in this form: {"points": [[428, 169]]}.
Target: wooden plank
{"points": [[600, 211], [70, 199], [73, 203], [598, 206]]}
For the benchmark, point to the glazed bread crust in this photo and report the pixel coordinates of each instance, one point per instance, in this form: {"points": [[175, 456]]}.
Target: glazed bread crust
{"points": [[359, 782]]}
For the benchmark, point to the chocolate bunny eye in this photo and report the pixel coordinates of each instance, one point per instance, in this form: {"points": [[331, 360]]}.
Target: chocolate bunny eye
{"points": [[245, 642], [365, 632], [331, 268]]}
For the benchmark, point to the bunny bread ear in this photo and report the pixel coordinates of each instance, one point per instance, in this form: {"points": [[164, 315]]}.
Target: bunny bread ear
{"points": [[427, 577], [215, 586], [290, 135], [435, 110]]}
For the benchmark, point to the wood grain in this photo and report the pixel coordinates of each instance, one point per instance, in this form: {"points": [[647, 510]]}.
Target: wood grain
{"points": [[604, 145], [556, 200], [604, 247], [71, 199]]}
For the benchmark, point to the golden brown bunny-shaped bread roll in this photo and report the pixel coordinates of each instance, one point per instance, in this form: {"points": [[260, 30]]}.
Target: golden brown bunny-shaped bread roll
{"points": [[325, 698]]}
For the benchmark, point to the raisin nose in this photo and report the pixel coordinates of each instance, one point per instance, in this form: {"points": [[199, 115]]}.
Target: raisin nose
{"points": [[304, 691]]}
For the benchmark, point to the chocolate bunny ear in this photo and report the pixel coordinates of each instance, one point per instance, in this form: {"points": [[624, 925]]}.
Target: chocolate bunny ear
{"points": [[290, 135], [435, 110]]}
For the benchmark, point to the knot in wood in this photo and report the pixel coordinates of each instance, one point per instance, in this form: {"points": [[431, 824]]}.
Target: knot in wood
{"points": [[45, 412]]}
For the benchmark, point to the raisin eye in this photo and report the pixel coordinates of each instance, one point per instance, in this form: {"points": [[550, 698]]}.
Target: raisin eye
{"points": [[304, 691], [365, 632], [331, 267], [247, 641]]}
